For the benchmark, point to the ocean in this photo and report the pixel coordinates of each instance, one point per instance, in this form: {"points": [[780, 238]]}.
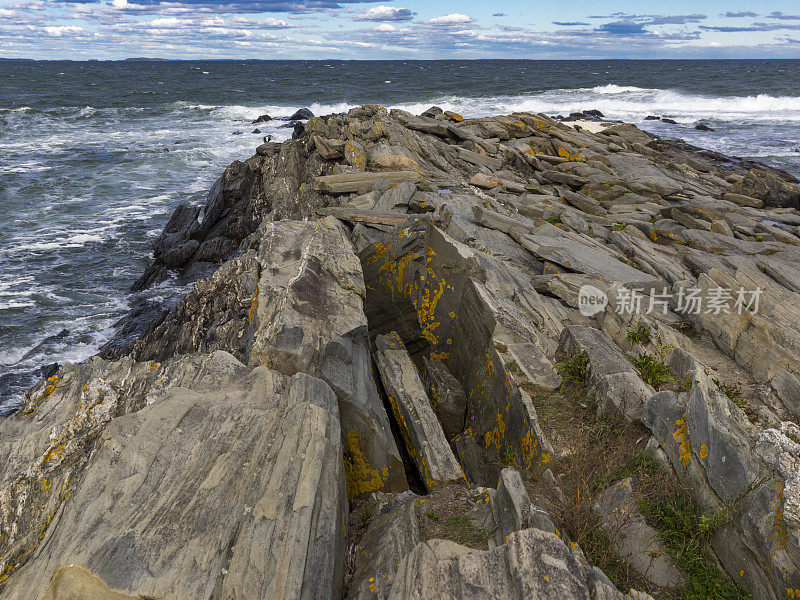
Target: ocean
{"points": [[94, 156]]}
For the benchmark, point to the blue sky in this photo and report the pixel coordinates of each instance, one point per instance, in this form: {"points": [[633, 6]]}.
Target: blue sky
{"points": [[285, 29]]}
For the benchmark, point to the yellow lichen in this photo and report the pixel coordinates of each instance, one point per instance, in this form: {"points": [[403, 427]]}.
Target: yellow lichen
{"points": [[360, 476]]}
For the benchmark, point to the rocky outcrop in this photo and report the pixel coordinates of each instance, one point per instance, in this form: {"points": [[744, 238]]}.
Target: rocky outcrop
{"points": [[135, 477], [531, 564], [385, 301]]}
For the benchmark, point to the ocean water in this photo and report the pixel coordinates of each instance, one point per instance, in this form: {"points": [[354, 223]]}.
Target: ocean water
{"points": [[95, 155]]}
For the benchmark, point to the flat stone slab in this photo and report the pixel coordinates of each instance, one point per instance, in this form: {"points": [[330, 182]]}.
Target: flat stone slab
{"points": [[575, 256], [535, 365], [361, 182]]}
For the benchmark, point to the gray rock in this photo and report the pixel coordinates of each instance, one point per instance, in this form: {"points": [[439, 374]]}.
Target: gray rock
{"points": [[421, 430], [447, 396], [531, 564], [611, 374], [633, 540], [535, 365], [392, 534], [209, 468]]}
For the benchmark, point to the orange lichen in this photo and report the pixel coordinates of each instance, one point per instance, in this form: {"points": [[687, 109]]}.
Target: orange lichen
{"points": [[682, 437]]}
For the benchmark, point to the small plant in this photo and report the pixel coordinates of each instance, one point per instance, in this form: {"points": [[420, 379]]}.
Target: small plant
{"points": [[433, 515], [731, 391], [653, 368], [575, 369], [686, 532], [640, 335], [620, 226], [554, 219]]}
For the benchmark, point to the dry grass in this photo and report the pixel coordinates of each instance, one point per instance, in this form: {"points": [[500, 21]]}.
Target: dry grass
{"points": [[444, 514]]}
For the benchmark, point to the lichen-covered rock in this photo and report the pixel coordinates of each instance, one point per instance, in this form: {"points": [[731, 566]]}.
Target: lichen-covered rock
{"points": [[294, 302], [392, 534], [421, 430]]}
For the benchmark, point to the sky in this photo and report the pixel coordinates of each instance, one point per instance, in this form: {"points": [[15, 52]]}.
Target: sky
{"points": [[405, 29]]}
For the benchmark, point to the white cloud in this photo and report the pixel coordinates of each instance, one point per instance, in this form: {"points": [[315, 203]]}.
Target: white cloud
{"points": [[385, 13], [59, 30], [452, 19]]}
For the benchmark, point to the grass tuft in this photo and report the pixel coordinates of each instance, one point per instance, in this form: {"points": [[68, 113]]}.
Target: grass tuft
{"points": [[575, 369], [640, 335]]}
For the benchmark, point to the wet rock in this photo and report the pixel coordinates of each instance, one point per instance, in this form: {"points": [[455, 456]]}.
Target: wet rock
{"points": [[703, 127], [261, 119], [302, 114], [180, 255]]}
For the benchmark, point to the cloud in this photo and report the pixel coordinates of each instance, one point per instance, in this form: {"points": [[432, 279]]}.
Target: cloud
{"points": [[744, 13], [753, 27], [223, 6], [59, 30], [654, 19], [675, 19], [569, 23], [385, 13], [498, 14], [779, 15], [623, 28], [451, 20]]}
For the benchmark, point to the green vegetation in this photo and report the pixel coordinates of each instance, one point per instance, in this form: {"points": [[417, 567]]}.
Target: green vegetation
{"points": [[653, 368], [686, 532], [554, 219], [433, 515], [731, 391], [683, 528], [463, 530], [640, 335], [574, 369], [620, 226]]}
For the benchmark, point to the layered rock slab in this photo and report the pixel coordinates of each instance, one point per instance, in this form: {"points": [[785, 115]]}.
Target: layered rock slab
{"points": [[294, 302], [531, 564], [446, 301], [421, 430], [204, 466]]}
